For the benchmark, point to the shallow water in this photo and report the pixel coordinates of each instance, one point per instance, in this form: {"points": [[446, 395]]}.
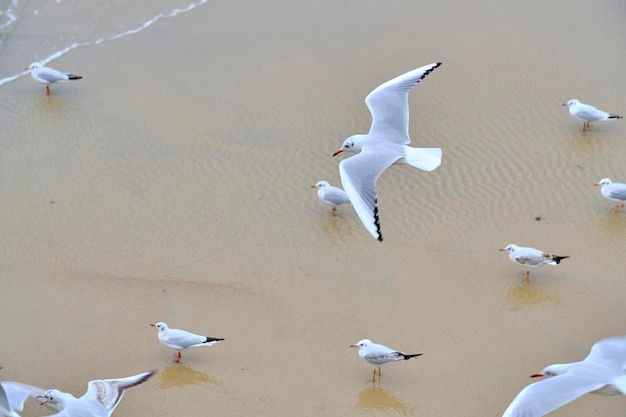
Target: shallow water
{"points": [[172, 183]]}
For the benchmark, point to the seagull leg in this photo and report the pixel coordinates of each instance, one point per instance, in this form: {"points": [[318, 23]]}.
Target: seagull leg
{"points": [[527, 279], [334, 210], [374, 376], [616, 208], [47, 90], [177, 357]]}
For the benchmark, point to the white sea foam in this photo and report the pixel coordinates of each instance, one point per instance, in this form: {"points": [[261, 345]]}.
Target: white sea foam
{"points": [[9, 14], [75, 45]]}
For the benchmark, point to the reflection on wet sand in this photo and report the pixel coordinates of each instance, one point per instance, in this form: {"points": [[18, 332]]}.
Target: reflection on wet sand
{"points": [[530, 293], [379, 399], [180, 375], [338, 228]]}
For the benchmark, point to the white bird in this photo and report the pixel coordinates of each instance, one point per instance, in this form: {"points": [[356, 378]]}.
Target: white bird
{"points": [[614, 191], [601, 372], [379, 355], [329, 194], [100, 400], [385, 144], [48, 76], [531, 257], [182, 339], [587, 113]]}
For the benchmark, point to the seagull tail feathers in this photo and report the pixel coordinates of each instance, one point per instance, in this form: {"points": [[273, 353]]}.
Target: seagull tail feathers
{"points": [[426, 159], [614, 117]]}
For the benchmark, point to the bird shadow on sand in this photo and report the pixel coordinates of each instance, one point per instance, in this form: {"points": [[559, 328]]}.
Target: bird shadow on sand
{"points": [[179, 375], [376, 399], [530, 294]]}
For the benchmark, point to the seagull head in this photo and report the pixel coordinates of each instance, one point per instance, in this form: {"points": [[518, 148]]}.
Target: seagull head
{"points": [[603, 182], [321, 184], [572, 102], [34, 66], [362, 344], [352, 144], [52, 396], [160, 325], [552, 370]]}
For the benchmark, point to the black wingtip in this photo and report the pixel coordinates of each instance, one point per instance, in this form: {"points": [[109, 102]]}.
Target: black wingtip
{"points": [[407, 357], [74, 77], [377, 221], [558, 259]]}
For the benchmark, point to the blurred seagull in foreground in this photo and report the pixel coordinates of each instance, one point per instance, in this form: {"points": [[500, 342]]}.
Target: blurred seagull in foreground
{"points": [[100, 400], [601, 372]]}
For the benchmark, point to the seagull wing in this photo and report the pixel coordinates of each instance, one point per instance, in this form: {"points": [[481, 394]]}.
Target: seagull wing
{"points": [[389, 105], [358, 177], [617, 191], [534, 260], [109, 392], [589, 113], [5, 407], [182, 339], [542, 397], [17, 393], [336, 195], [51, 75]]}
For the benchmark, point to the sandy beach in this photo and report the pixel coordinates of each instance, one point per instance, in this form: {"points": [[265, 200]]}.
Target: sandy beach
{"points": [[172, 183]]}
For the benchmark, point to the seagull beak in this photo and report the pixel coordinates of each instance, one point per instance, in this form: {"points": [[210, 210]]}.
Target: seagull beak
{"points": [[596, 184], [153, 325], [338, 152], [41, 396], [27, 68], [313, 186], [536, 375], [564, 104], [501, 249], [353, 346]]}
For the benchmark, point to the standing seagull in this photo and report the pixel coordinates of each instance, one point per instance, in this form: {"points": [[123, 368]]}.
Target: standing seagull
{"points": [[601, 372], [385, 144], [587, 113], [531, 257], [100, 400], [331, 195], [379, 355], [182, 339], [614, 191], [48, 76]]}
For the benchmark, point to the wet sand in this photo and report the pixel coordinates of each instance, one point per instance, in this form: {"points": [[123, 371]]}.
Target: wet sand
{"points": [[172, 184]]}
